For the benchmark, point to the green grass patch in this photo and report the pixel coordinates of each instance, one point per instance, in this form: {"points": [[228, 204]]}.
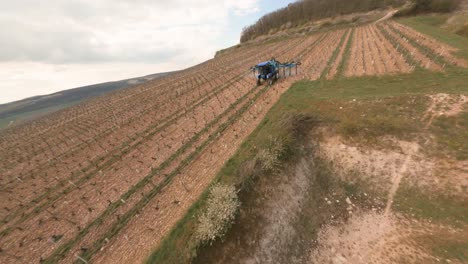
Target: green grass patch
{"points": [[372, 87], [431, 25], [434, 207], [450, 249], [463, 31], [346, 54], [369, 107], [333, 57], [452, 134]]}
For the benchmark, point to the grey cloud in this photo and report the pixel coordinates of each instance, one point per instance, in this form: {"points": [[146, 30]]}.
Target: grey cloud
{"points": [[22, 42], [72, 31]]}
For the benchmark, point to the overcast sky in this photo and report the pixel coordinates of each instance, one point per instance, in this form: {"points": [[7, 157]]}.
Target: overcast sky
{"points": [[48, 46]]}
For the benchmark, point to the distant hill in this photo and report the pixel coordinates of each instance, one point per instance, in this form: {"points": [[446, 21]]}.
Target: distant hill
{"points": [[297, 13], [304, 11], [15, 112]]}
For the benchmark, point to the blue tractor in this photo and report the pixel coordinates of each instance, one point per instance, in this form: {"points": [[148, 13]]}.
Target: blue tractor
{"points": [[270, 70]]}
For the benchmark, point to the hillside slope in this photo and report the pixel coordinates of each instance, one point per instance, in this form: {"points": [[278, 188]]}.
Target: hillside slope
{"points": [[107, 180], [373, 170], [29, 108]]}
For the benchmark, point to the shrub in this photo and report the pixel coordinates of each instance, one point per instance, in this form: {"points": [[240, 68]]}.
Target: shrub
{"points": [[463, 31], [443, 5], [269, 157], [427, 6], [222, 205]]}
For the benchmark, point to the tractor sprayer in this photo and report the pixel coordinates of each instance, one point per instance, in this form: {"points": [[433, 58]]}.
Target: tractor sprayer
{"points": [[272, 70]]}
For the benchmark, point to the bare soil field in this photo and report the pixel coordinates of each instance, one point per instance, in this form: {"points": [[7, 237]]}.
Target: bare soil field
{"points": [[106, 180]]}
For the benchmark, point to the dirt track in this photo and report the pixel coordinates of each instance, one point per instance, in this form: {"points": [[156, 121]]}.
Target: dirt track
{"points": [[121, 169]]}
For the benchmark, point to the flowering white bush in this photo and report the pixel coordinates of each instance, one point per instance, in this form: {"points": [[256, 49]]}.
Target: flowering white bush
{"points": [[221, 210]]}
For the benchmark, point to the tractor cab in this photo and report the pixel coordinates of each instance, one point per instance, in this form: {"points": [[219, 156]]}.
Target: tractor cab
{"points": [[267, 70], [264, 69]]}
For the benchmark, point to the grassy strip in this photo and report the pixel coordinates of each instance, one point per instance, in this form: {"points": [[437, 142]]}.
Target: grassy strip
{"points": [[115, 157], [399, 48], [448, 248], [430, 25], [346, 55], [333, 57], [111, 208], [451, 142], [434, 207], [423, 49]]}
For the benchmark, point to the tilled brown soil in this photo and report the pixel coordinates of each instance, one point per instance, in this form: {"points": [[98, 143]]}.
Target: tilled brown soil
{"points": [[373, 54], [107, 179]]}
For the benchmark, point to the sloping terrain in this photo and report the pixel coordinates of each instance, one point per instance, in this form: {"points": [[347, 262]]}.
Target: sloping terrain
{"points": [[379, 178], [29, 108], [105, 181]]}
